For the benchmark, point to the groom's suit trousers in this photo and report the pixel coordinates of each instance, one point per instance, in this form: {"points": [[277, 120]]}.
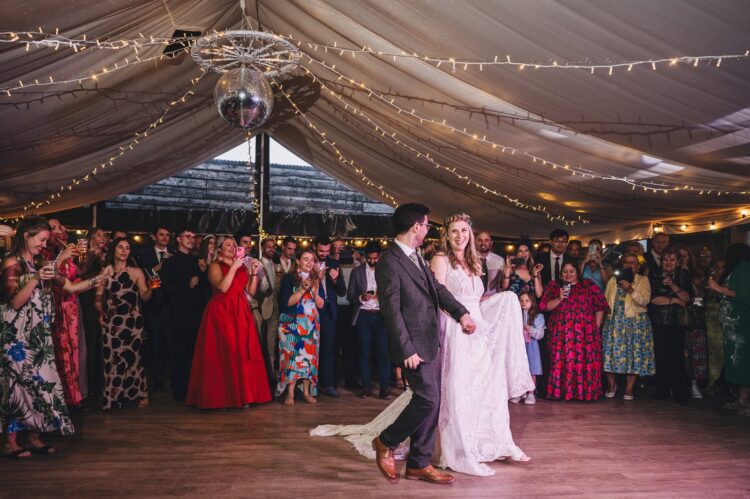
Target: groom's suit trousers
{"points": [[419, 419]]}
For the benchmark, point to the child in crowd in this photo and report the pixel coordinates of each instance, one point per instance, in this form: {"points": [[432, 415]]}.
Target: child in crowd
{"points": [[533, 331]]}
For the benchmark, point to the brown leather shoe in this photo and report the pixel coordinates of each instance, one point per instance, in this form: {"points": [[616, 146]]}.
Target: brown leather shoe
{"points": [[429, 474], [384, 458]]}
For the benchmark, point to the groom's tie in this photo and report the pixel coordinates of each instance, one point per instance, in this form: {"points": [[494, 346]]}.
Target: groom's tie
{"points": [[415, 258]]}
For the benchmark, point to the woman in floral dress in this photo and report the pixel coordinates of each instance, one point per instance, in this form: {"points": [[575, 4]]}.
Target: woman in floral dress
{"points": [[574, 341], [627, 337], [31, 397], [122, 330], [734, 316], [299, 330]]}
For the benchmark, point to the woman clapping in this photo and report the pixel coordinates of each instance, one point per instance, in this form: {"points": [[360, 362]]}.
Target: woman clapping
{"points": [[228, 367]]}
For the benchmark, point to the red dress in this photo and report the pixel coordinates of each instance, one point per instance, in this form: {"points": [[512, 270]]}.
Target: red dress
{"points": [[228, 367], [574, 343]]}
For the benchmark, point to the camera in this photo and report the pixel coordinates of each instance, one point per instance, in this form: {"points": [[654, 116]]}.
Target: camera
{"points": [[517, 261]]}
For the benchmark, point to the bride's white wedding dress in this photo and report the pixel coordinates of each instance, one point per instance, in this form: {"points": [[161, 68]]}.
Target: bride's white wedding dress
{"points": [[481, 371]]}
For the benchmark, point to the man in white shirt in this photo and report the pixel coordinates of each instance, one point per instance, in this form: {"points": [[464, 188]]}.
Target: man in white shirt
{"points": [[492, 263], [553, 261], [288, 257], [368, 323], [659, 243]]}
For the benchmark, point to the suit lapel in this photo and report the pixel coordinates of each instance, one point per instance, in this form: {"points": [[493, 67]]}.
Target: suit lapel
{"points": [[410, 268]]}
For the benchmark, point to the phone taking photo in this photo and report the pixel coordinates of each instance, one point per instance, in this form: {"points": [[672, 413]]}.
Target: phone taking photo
{"points": [[239, 253]]}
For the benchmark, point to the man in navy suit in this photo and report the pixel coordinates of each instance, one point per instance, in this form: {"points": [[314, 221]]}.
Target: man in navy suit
{"points": [[331, 286], [368, 322]]}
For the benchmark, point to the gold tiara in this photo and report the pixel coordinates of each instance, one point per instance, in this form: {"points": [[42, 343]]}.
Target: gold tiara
{"points": [[458, 217]]}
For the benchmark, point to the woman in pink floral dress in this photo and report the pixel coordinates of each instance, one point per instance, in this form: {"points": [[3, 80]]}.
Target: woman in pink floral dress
{"points": [[574, 341]]}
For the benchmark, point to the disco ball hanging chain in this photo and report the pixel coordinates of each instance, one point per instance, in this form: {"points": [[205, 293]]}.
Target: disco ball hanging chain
{"points": [[247, 58]]}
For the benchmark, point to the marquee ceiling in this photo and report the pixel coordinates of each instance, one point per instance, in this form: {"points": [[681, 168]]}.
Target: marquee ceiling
{"points": [[406, 129]]}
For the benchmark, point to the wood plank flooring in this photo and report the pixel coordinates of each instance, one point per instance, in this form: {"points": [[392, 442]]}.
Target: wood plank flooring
{"points": [[609, 448]]}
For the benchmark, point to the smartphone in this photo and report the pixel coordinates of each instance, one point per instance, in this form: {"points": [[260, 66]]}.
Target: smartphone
{"points": [[626, 275], [239, 253], [517, 261], [593, 248]]}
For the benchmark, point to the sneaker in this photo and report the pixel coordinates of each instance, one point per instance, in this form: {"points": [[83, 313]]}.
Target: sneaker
{"points": [[515, 400], [696, 392], [530, 399]]}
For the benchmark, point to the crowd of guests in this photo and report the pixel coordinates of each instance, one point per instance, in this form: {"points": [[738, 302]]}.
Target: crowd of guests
{"points": [[226, 324]]}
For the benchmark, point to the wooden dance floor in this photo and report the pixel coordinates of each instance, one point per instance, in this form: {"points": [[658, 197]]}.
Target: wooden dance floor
{"points": [[609, 448]]}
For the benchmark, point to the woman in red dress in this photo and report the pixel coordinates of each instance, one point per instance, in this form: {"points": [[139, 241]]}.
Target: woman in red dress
{"points": [[574, 336], [228, 367]]}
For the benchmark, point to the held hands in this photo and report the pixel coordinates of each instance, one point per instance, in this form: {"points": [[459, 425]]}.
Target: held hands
{"points": [[467, 324], [413, 361]]}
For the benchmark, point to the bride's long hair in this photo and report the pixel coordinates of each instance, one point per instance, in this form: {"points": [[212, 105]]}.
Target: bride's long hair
{"points": [[471, 258]]}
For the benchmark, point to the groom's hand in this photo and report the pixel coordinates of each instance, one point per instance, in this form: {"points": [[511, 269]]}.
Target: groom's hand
{"points": [[413, 361], [467, 324]]}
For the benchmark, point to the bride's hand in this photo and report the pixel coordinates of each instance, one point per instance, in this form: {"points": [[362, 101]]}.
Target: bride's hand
{"points": [[467, 324]]}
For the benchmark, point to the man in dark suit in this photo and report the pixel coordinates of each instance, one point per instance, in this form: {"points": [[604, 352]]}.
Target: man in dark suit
{"points": [[184, 308], [330, 287], [368, 322], [410, 299], [659, 243], [151, 259], [553, 260]]}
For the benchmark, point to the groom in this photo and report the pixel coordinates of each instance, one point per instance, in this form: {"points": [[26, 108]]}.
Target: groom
{"points": [[410, 301]]}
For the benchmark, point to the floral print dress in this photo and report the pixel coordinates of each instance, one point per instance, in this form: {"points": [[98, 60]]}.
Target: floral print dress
{"points": [[31, 396], [574, 342], [299, 338]]}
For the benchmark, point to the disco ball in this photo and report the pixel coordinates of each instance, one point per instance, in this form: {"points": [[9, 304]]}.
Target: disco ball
{"points": [[243, 98]]}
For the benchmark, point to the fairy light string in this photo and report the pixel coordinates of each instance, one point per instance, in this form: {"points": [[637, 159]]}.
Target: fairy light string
{"points": [[576, 170], [456, 64], [392, 136], [137, 138]]}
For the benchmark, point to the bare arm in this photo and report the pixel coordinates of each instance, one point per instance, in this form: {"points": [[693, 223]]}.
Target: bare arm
{"points": [[11, 275], [220, 281]]}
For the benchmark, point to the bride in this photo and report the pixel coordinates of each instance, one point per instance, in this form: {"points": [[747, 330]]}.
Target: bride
{"points": [[480, 372]]}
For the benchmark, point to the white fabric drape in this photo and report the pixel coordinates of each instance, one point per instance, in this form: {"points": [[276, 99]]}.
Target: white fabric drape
{"points": [[682, 125]]}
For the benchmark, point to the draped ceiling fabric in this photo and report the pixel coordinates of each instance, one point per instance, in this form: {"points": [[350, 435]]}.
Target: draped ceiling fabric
{"points": [[681, 125]]}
